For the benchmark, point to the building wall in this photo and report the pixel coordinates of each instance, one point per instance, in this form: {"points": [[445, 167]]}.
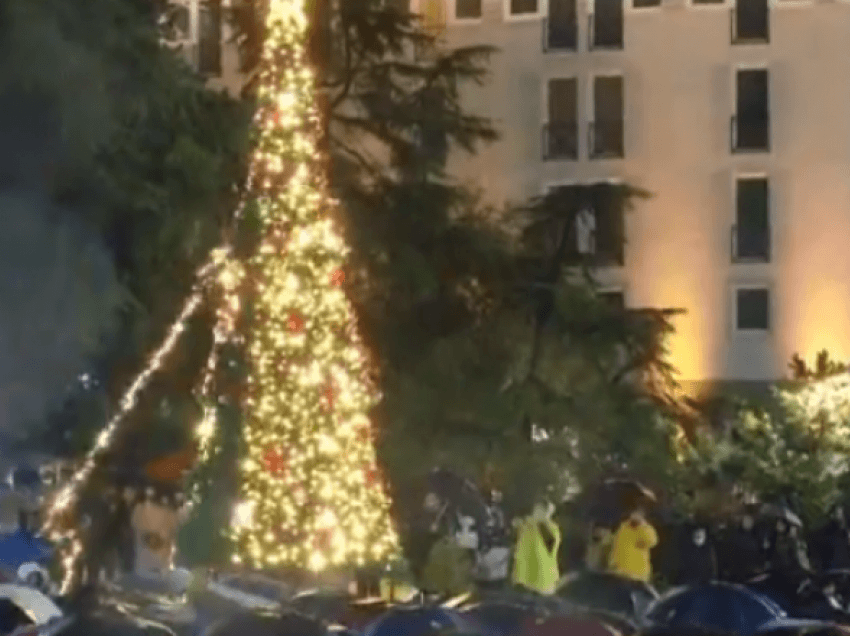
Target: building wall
{"points": [[679, 70]]}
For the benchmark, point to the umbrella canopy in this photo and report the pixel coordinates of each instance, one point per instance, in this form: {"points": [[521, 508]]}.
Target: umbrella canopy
{"points": [[782, 513], [324, 605], [572, 625], [608, 593], [23, 547], [460, 493], [417, 621], [606, 504], [714, 607], [267, 625], [499, 619]]}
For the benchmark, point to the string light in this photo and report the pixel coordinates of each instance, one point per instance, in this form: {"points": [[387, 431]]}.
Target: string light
{"points": [[308, 392]]}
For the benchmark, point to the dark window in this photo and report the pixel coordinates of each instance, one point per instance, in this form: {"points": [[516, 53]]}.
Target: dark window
{"points": [[752, 129], [753, 309], [209, 41], [519, 7], [750, 21], [561, 138], [467, 9], [561, 26], [607, 24], [708, 1], [640, 4], [752, 219], [607, 128], [615, 299]]}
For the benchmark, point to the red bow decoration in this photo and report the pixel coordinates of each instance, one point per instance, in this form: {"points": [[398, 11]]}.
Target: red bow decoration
{"points": [[338, 278], [295, 323], [275, 462]]}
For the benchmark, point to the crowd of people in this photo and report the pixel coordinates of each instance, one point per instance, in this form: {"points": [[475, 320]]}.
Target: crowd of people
{"points": [[641, 542]]}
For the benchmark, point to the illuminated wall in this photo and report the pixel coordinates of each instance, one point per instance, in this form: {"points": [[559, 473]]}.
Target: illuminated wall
{"points": [[679, 69]]}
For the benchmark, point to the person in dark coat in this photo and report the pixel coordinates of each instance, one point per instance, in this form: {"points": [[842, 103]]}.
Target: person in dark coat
{"points": [[829, 545], [741, 557], [697, 554]]}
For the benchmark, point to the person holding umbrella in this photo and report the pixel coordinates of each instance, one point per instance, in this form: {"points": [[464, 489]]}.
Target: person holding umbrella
{"points": [[631, 546]]}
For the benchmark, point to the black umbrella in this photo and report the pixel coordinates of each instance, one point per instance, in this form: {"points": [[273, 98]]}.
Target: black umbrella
{"points": [[601, 591], [781, 513], [606, 504], [713, 607], [460, 493]]}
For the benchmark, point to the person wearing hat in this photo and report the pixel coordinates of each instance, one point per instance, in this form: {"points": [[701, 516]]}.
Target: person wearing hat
{"points": [[631, 546]]}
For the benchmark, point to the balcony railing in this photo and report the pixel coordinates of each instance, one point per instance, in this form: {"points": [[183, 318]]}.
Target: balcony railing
{"points": [[560, 141], [750, 133], [751, 27], [560, 35], [604, 34], [605, 139], [750, 245]]}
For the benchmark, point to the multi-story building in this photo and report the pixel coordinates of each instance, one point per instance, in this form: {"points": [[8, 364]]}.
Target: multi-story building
{"points": [[734, 114]]}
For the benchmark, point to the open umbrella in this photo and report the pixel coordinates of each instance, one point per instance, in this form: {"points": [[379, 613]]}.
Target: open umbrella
{"points": [[572, 625], [23, 547], [713, 607], [782, 513], [327, 606], [499, 618], [460, 493], [417, 621], [608, 593]]}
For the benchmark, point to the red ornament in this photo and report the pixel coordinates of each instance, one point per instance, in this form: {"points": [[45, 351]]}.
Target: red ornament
{"points": [[295, 323], [329, 396], [372, 476], [275, 462], [276, 116], [364, 433], [338, 278], [323, 539]]}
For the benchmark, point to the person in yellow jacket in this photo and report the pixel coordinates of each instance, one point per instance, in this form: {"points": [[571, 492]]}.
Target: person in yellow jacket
{"points": [[536, 553], [630, 549]]}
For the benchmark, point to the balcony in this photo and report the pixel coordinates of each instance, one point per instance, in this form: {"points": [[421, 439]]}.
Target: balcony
{"points": [[560, 35], [560, 141], [750, 25], [750, 245], [605, 139], [750, 133]]}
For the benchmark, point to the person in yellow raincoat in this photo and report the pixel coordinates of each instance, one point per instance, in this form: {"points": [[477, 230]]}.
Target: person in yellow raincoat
{"points": [[536, 553], [630, 548]]}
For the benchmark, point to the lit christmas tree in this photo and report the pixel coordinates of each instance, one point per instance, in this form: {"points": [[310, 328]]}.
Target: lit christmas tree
{"points": [[311, 492]]}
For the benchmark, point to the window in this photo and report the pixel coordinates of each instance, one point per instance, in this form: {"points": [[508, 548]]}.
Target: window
{"points": [[751, 233], [752, 309], [523, 7], [561, 27], [751, 122], [561, 132], [467, 9], [607, 24], [708, 2], [750, 22], [598, 228], [607, 128], [209, 39], [644, 4]]}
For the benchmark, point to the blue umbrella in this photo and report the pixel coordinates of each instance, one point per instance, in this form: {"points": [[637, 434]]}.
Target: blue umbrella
{"points": [[23, 547], [498, 619], [416, 621], [716, 607]]}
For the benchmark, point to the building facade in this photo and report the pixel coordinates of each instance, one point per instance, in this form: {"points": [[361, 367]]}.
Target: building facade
{"points": [[733, 114]]}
